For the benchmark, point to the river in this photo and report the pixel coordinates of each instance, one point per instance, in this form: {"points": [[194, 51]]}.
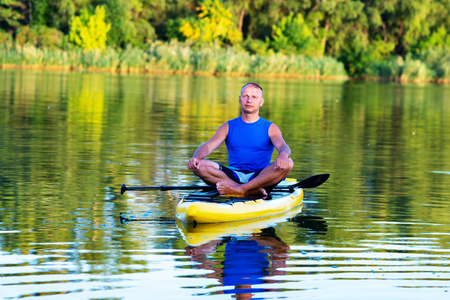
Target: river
{"points": [[379, 228]]}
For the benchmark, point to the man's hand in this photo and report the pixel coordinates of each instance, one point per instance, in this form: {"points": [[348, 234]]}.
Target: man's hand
{"points": [[193, 163], [282, 162]]}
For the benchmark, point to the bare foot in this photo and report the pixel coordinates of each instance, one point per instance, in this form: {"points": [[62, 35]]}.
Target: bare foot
{"points": [[260, 192], [225, 188]]}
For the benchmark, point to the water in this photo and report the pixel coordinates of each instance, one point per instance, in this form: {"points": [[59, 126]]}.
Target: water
{"points": [[379, 228]]}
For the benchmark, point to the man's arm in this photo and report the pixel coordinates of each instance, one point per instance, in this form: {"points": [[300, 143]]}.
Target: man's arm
{"points": [[205, 149], [284, 152]]}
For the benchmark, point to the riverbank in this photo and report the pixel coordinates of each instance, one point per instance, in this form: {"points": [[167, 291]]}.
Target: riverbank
{"points": [[179, 58], [172, 58]]}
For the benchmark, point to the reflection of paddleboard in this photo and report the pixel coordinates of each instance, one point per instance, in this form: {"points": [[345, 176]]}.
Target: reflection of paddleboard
{"points": [[210, 207], [198, 234]]}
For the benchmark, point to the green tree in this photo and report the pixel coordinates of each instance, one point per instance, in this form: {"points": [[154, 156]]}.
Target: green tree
{"points": [[11, 14], [408, 24], [160, 12], [292, 35], [214, 22], [256, 17], [89, 30], [39, 12], [438, 39], [55, 14], [129, 22], [341, 27]]}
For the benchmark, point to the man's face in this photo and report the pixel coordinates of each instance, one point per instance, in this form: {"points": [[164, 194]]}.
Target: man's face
{"points": [[251, 99]]}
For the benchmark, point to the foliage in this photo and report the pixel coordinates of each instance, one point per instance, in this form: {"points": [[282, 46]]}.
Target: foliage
{"points": [[415, 70], [11, 13], [132, 60], [438, 59], [434, 64], [89, 31], [214, 22], [129, 24], [438, 39], [255, 46], [388, 69], [368, 36], [261, 15], [172, 29], [175, 57], [40, 36], [5, 37], [292, 35]]}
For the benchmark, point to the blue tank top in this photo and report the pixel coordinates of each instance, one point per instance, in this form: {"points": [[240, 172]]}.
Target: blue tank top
{"points": [[249, 146]]}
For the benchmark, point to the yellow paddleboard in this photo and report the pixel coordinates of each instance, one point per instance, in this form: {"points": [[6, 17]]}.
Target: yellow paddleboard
{"points": [[198, 234], [210, 207]]}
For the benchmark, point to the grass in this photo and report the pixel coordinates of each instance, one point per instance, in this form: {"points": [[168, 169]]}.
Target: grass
{"points": [[432, 65], [172, 57], [181, 58]]}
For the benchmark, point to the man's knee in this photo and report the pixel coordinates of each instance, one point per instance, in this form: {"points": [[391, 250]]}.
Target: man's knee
{"points": [[289, 167], [291, 164], [204, 167]]}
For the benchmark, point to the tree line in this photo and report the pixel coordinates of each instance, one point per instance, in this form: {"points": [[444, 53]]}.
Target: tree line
{"points": [[367, 36]]}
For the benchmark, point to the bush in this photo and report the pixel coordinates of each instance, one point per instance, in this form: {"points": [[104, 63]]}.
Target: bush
{"points": [[399, 69], [40, 36], [5, 37], [415, 70], [388, 69], [255, 46], [438, 59], [329, 66]]}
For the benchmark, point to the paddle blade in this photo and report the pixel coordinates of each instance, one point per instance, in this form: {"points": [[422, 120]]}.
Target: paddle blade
{"points": [[123, 189], [313, 181]]}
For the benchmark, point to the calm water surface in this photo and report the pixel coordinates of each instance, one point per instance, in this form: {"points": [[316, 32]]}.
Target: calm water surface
{"points": [[378, 229]]}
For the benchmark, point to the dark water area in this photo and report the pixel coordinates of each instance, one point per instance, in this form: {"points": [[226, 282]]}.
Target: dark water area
{"points": [[379, 228]]}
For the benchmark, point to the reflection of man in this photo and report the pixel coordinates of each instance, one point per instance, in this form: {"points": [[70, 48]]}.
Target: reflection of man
{"points": [[247, 261], [250, 141]]}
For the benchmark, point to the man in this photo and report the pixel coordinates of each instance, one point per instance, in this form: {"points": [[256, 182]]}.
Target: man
{"points": [[250, 141]]}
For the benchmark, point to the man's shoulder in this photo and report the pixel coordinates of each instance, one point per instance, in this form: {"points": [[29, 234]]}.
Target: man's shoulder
{"points": [[232, 122], [265, 121]]}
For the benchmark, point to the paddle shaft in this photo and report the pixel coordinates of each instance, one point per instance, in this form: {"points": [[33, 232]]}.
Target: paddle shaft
{"points": [[310, 182], [125, 188]]}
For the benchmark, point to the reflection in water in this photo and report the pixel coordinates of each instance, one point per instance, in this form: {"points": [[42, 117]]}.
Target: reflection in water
{"points": [[247, 262], [315, 224], [244, 255]]}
